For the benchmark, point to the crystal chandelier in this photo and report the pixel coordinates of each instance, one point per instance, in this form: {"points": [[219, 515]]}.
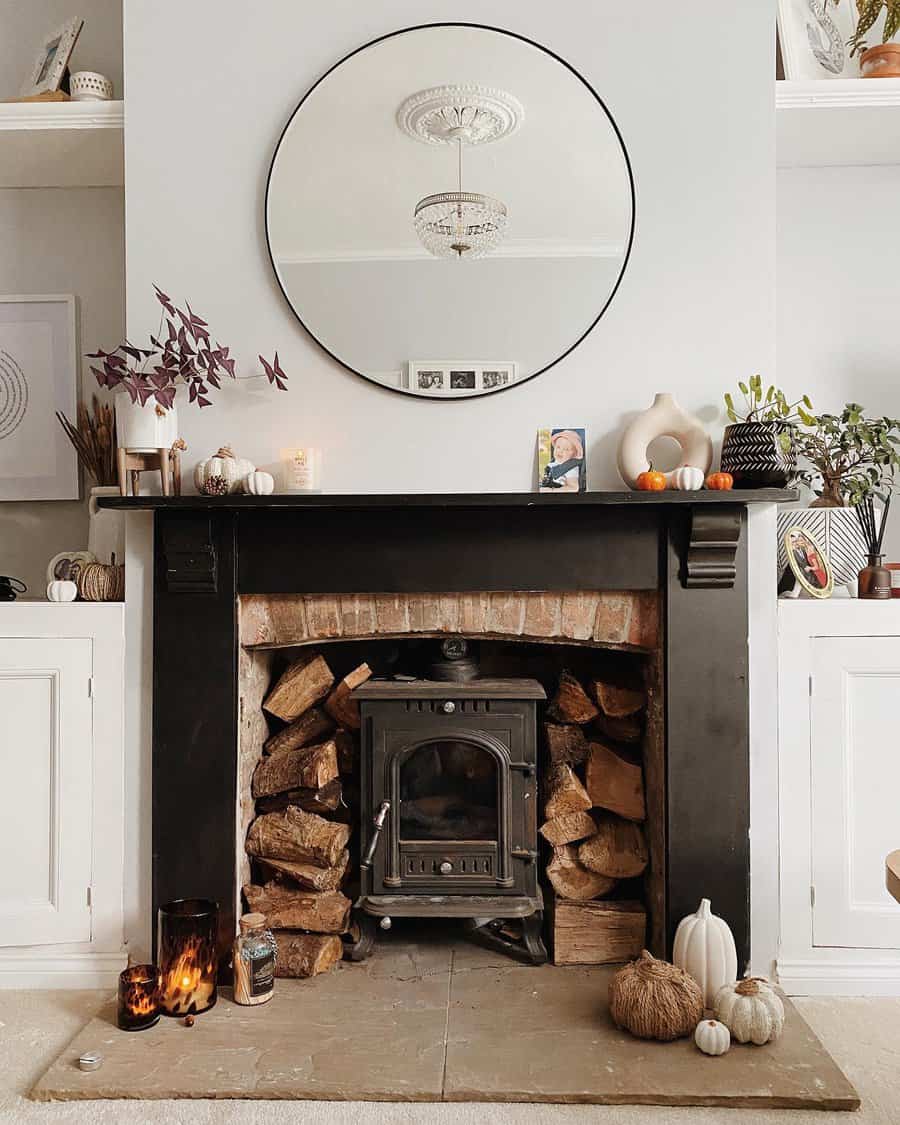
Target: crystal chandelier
{"points": [[460, 224]]}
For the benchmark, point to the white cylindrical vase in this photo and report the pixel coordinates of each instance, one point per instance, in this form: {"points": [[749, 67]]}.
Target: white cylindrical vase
{"points": [[144, 429]]}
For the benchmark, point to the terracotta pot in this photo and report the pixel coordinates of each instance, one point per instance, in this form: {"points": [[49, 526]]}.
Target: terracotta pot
{"points": [[882, 61]]}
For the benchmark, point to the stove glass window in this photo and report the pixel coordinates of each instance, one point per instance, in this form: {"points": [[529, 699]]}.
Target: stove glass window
{"points": [[449, 791]]}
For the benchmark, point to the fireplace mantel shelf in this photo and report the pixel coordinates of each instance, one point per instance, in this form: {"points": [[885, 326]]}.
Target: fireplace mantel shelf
{"points": [[299, 501]]}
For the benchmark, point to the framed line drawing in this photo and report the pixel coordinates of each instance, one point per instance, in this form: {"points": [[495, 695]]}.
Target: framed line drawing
{"points": [[38, 376], [52, 58]]}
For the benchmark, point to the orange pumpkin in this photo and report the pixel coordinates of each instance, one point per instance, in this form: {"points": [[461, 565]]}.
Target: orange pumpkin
{"points": [[720, 482], [651, 481]]}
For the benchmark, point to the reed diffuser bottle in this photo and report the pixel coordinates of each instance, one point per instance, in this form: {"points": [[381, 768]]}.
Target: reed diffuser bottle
{"points": [[874, 580]]}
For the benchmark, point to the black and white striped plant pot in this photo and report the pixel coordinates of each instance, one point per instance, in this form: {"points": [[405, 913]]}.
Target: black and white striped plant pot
{"points": [[752, 452], [837, 532]]}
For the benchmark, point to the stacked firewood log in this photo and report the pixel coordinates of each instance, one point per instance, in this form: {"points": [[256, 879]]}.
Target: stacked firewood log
{"points": [[593, 813], [298, 841]]}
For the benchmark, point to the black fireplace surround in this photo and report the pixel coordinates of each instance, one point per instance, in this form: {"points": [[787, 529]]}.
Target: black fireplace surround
{"points": [[691, 547]]}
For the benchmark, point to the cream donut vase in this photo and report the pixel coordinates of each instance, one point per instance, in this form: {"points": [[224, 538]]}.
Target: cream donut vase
{"points": [[665, 418], [704, 947], [751, 1010]]}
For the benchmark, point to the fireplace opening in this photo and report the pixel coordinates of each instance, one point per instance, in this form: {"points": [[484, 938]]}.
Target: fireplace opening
{"points": [[448, 791]]}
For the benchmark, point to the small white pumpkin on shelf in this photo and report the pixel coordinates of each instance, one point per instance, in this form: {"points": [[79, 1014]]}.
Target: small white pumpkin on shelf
{"points": [[61, 590], [712, 1037], [752, 1010], [224, 464], [704, 947], [686, 479], [259, 483]]}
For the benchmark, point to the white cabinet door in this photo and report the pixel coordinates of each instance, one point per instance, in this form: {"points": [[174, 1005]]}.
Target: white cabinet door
{"points": [[855, 764], [45, 796]]}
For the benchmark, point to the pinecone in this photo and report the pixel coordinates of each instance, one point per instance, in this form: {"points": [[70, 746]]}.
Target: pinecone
{"points": [[215, 486]]}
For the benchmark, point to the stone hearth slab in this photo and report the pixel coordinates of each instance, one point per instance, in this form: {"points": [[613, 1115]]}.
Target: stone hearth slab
{"points": [[425, 1021]]}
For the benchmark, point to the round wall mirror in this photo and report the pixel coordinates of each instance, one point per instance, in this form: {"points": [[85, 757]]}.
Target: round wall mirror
{"points": [[450, 210]]}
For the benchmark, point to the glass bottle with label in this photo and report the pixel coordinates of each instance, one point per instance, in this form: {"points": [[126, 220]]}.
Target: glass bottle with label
{"points": [[254, 961]]}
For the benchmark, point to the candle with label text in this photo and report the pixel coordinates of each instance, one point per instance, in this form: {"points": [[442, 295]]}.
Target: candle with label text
{"points": [[302, 469]]}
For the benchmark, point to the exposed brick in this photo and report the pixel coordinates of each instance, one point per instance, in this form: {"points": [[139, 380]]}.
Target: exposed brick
{"points": [[613, 617], [543, 615], [323, 617], [473, 612], [358, 615], [506, 614], [288, 618], [643, 628], [391, 613], [448, 613], [578, 612], [254, 622]]}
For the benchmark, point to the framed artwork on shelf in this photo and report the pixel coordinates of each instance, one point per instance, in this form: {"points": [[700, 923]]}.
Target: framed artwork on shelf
{"points": [[38, 377], [561, 460], [52, 59], [814, 37], [456, 378]]}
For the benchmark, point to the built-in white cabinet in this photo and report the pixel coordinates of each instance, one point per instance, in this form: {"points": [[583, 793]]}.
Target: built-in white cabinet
{"points": [[61, 803], [839, 776]]}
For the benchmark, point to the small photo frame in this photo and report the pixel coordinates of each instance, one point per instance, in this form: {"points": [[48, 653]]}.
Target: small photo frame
{"points": [[562, 461], [52, 59], [808, 562], [451, 378]]}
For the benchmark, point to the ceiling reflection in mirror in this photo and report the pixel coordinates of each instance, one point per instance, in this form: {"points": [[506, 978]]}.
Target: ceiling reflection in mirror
{"points": [[450, 210]]}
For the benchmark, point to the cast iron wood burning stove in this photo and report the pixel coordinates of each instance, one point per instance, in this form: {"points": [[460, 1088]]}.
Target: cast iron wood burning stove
{"points": [[449, 808]]}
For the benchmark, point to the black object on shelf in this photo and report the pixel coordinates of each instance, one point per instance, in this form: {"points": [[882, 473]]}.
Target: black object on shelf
{"points": [[10, 588]]}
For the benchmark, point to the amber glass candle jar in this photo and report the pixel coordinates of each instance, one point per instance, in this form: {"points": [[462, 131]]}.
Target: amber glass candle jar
{"points": [[186, 952], [138, 1005]]}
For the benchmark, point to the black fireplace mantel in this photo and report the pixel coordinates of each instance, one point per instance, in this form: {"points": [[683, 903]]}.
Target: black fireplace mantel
{"points": [[689, 546]]}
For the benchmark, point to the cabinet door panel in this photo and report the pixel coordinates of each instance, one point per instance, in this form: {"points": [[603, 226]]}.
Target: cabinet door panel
{"points": [[855, 768], [45, 798]]}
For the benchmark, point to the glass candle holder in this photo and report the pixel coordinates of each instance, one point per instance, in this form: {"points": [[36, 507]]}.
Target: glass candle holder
{"points": [[302, 469], [187, 956], [138, 1004]]}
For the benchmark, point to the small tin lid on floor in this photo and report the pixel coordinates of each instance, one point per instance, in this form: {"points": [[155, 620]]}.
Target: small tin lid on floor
{"points": [[442, 689], [90, 1060]]}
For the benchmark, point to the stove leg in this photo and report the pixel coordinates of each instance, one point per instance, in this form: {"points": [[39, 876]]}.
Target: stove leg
{"points": [[359, 944], [520, 938]]}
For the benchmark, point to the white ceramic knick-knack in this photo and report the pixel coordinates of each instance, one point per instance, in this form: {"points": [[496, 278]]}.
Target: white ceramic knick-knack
{"points": [[61, 590], [704, 948], [665, 418], [712, 1037]]}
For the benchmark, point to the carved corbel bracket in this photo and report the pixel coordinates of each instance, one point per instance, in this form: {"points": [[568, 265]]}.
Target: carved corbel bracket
{"points": [[189, 555], [715, 533]]}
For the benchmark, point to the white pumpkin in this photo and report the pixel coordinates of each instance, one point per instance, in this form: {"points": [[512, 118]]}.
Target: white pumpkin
{"points": [[686, 479], [259, 483], [61, 590], [223, 464], [751, 1010], [712, 1037], [704, 948]]}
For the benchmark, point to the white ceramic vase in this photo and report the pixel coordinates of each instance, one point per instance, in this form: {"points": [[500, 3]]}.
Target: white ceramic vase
{"points": [[106, 530], [143, 429], [665, 418], [704, 947]]}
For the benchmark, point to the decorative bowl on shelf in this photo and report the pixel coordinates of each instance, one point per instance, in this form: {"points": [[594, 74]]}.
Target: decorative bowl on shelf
{"points": [[88, 86]]}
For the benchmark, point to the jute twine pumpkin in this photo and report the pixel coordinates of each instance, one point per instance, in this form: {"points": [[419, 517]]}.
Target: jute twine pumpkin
{"points": [[655, 1000], [99, 582]]}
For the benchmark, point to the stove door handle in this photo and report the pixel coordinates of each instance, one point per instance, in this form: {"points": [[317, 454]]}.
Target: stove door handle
{"points": [[378, 821]]}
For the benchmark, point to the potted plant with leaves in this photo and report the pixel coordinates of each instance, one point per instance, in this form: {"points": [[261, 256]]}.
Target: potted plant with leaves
{"points": [[757, 448], [882, 60], [180, 356], [849, 461]]}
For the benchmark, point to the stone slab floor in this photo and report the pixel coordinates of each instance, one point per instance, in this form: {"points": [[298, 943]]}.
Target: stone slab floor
{"points": [[863, 1036]]}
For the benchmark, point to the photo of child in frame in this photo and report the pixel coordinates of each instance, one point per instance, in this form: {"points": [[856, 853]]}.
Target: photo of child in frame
{"points": [[561, 460], [808, 563]]}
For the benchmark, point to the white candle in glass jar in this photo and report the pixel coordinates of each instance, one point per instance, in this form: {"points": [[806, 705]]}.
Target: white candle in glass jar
{"points": [[302, 468]]}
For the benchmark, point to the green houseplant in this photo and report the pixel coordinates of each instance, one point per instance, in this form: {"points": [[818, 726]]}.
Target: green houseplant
{"points": [[882, 60], [758, 448]]}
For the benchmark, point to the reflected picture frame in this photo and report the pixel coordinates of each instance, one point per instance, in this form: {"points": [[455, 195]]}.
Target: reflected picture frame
{"points": [[813, 36], [459, 378], [52, 58]]}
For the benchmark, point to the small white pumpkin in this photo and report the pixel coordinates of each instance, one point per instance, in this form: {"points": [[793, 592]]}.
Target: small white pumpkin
{"points": [[704, 948], [223, 464], [751, 1010], [61, 590], [686, 479], [259, 483], [712, 1037]]}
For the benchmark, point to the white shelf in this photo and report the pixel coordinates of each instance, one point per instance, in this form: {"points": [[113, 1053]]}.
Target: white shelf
{"points": [[839, 123], [62, 144]]}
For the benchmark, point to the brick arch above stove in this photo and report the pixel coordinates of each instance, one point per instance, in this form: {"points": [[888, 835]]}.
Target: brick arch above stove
{"points": [[626, 620]]}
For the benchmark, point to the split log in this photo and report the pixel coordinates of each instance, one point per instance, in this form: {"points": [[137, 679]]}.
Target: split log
{"points": [[310, 767], [306, 875], [565, 794], [341, 705], [566, 745], [309, 728], [347, 751], [286, 908], [629, 728], [567, 829], [597, 933], [615, 784], [326, 799], [571, 704], [306, 955], [617, 849], [571, 879], [298, 836], [307, 681], [618, 702]]}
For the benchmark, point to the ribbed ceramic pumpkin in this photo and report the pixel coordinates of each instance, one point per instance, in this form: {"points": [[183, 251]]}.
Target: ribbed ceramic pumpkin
{"points": [[259, 483], [751, 1010], [686, 479], [712, 1037], [704, 947], [654, 1000], [223, 464], [61, 590]]}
